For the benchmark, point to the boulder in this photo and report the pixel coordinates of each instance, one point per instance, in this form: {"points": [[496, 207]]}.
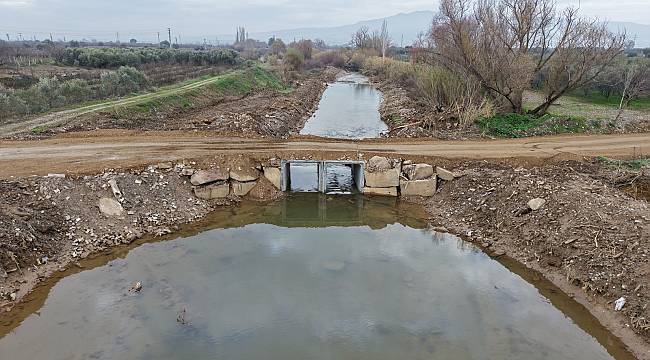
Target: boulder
{"points": [[187, 171], [274, 175], [379, 163], [110, 207], [164, 165], [202, 177], [380, 179], [244, 174], [212, 191], [418, 187], [385, 191], [242, 188], [418, 171], [536, 204], [445, 174]]}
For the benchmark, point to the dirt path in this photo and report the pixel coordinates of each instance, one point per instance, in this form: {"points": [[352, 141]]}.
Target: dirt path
{"points": [[61, 117], [92, 152]]}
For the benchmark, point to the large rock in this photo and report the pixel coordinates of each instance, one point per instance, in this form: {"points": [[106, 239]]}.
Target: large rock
{"points": [[212, 191], [242, 188], [379, 163], [382, 179], [110, 207], [418, 171], [386, 191], [244, 174], [418, 187], [274, 175], [445, 174], [202, 177]]}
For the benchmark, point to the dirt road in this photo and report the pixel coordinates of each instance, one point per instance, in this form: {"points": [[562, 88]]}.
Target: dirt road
{"points": [[92, 152]]}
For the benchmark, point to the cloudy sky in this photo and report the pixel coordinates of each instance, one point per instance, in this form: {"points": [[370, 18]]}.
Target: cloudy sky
{"points": [[100, 19]]}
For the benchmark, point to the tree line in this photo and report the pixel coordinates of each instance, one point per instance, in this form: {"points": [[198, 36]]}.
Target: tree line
{"points": [[115, 57]]}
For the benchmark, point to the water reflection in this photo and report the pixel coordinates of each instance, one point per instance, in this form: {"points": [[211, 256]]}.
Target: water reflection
{"points": [[296, 282], [349, 109]]}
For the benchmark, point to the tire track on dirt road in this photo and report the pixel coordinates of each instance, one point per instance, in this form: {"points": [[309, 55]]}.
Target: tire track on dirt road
{"points": [[91, 152]]}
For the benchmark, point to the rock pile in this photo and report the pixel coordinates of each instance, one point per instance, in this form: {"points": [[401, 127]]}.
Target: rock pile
{"points": [[390, 177]]}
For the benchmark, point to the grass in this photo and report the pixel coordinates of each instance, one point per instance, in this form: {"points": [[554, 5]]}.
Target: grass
{"points": [[235, 83], [521, 125], [612, 101], [635, 164]]}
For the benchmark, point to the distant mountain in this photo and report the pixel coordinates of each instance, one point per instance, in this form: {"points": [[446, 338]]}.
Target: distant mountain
{"points": [[638, 32], [406, 26]]}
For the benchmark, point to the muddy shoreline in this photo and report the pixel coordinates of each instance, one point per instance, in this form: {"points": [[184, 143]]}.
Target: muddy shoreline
{"points": [[568, 266]]}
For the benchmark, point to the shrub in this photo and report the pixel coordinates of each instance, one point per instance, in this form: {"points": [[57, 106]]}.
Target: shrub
{"points": [[294, 59], [124, 81], [116, 57]]}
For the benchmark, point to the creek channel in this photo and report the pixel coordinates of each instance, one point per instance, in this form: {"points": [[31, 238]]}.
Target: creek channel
{"points": [[310, 276]]}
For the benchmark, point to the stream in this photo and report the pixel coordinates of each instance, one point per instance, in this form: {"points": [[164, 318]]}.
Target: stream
{"points": [[349, 109]]}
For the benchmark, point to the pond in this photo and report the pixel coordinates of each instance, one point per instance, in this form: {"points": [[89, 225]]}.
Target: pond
{"points": [[349, 109], [307, 277]]}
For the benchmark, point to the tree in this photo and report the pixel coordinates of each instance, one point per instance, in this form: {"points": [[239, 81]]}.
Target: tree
{"points": [[306, 48], [133, 41], [278, 47], [164, 44], [506, 44], [361, 38], [74, 44], [384, 38], [636, 83], [294, 59]]}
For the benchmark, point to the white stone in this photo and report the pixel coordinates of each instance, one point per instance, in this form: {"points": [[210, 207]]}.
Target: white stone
{"points": [[274, 176], [379, 163], [425, 187], [212, 191], [110, 207], [418, 171], [382, 179], [388, 191], [208, 176], [242, 188], [536, 204], [244, 175], [445, 174]]}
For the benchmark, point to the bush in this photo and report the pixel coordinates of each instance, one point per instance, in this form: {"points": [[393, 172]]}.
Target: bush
{"points": [[116, 57], [124, 81], [294, 59], [335, 58], [51, 93]]}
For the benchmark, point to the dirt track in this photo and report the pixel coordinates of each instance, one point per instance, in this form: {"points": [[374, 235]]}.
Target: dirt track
{"points": [[92, 152]]}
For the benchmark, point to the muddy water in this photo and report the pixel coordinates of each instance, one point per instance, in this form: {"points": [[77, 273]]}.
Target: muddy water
{"points": [[348, 109], [308, 277]]}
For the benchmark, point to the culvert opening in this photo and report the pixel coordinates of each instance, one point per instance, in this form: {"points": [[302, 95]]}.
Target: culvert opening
{"points": [[329, 177]]}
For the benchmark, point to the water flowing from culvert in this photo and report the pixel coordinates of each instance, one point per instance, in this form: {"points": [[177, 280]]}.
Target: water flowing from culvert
{"points": [[307, 277], [349, 109]]}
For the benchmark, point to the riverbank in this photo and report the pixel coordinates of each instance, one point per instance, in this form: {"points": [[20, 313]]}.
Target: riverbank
{"points": [[589, 238]]}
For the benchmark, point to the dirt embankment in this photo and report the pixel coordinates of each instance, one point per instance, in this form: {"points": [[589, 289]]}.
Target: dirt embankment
{"points": [[258, 113], [589, 237]]}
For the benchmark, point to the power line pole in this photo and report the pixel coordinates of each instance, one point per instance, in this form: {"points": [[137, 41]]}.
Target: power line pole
{"points": [[158, 37], [117, 37], [51, 39], [169, 32], [7, 37]]}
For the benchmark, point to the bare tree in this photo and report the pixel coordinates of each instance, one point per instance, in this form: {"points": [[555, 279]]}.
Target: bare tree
{"points": [[384, 38], [505, 44], [635, 84], [361, 38]]}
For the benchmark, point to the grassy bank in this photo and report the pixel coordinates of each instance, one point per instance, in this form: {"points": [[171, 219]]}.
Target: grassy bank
{"points": [[517, 125]]}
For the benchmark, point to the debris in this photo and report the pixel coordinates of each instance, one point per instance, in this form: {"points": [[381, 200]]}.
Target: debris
{"points": [[618, 304], [115, 189], [445, 174], [165, 165], [418, 171], [136, 287], [202, 177], [56, 176]]}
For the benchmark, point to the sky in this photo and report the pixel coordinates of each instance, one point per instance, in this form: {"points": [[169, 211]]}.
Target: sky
{"points": [[101, 19]]}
